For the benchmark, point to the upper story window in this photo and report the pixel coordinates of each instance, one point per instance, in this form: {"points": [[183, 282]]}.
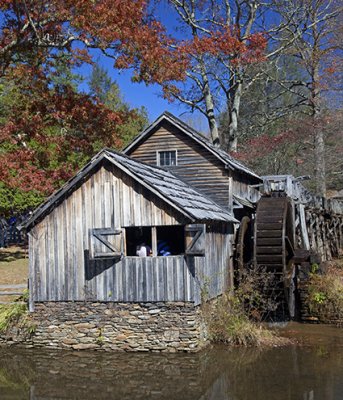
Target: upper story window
{"points": [[167, 158]]}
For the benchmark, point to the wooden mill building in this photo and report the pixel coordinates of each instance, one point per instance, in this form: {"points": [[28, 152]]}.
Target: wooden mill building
{"points": [[83, 239], [171, 189]]}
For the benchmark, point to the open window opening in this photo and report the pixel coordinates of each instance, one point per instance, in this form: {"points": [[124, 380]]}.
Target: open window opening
{"points": [[170, 240], [155, 241], [138, 241]]}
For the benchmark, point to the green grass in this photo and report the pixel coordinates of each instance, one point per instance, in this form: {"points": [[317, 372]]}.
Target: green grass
{"points": [[325, 294], [228, 323], [13, 270], [11, 314]]}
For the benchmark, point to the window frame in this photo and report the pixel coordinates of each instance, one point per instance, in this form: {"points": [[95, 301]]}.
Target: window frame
{"points": [[158, 158], [154, 240]]}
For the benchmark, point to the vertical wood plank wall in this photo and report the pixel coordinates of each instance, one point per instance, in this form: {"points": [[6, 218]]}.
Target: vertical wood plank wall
{"points": [[241, 187], [196, 165], [59, 250], [214, 270]]}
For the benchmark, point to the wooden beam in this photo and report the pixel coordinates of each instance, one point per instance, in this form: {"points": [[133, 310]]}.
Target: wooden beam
{"points": [[11, 293], [154, 241], [19, 286], [303, 227]]}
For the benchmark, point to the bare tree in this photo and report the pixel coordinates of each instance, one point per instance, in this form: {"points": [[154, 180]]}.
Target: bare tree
{"points": [[215, 80], [315, 32], [218, 79]]}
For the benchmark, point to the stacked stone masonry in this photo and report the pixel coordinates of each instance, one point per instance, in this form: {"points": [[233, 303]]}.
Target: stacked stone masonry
{"points": [[156, 327]]}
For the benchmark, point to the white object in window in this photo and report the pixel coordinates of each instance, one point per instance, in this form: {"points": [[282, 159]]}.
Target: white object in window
{"points": [[141, 251]]}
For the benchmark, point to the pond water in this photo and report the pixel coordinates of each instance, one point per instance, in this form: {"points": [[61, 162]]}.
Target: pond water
{"points": [[312, 370]]}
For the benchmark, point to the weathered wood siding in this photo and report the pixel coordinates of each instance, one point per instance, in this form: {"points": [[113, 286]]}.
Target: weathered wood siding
{"points": [[140, 279], [214, 272], [242, 187], [59, 250], [195, 164]]}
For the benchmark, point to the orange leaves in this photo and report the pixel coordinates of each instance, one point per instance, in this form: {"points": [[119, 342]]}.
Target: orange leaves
{"points": [[123, 28], [227, 44], [216, 43], [116, 25], [256, 46], [107, 21]]}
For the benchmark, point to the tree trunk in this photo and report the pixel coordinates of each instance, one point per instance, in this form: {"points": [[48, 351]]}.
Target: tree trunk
{"points": [[229, 139], [320, 162], [212, 122], [319, 145]]}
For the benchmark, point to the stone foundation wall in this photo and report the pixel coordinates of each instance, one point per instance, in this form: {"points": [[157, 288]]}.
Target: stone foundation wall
{"points": [[307, 315], [157, 327]]}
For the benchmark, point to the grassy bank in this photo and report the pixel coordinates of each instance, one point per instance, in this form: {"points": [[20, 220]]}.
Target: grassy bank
{"points": [[325, 294], [12, 314], [237, 317], [229, 323], [14, 265]]}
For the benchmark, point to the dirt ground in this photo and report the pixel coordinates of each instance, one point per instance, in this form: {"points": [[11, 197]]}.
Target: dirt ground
{"points": [[14, 268], [14, 265]]}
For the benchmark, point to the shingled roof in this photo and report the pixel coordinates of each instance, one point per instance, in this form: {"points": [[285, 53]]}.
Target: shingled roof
{"points": [[162, 183], [222, 155]]}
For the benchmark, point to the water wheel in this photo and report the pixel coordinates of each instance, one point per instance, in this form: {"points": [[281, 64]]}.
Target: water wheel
{"points": [[242, 246], [274, 245]]}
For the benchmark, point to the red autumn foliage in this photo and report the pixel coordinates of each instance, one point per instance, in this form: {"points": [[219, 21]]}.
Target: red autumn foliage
{"points": [[263, 145], [292, 150], [48, 133], [122, 27], [226, 43], [50, 130]]}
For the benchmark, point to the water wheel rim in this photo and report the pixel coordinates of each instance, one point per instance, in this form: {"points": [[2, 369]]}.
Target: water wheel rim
{"points": [[243, 229]]}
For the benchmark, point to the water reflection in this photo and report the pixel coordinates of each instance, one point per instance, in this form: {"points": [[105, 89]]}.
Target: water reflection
{"points": [[305, 372]]}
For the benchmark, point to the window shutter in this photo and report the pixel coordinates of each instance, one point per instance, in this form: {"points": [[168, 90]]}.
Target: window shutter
{"points": [[105, 243], [195, 235]]}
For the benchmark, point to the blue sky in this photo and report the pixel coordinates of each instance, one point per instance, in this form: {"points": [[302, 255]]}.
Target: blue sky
{"points": [[139, 94]]}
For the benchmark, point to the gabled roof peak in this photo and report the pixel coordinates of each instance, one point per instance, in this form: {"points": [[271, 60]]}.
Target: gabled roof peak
{"points": [[220, 154]]}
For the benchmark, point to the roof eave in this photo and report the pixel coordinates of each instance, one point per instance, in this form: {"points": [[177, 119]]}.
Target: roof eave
{"points": [[54, 199], [62, 191], [159, 194]]}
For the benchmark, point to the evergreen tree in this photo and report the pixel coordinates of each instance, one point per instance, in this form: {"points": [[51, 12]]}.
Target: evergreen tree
{"points": [[49, 130], [107, 91]]}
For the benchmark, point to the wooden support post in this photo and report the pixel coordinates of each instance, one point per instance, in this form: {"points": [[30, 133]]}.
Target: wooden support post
{"points": [[154, 241], [230, 266], [303, 227], [230, 208], [31, 281]]}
